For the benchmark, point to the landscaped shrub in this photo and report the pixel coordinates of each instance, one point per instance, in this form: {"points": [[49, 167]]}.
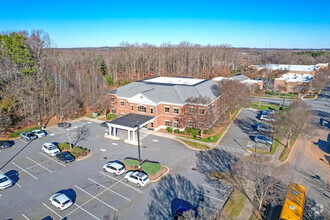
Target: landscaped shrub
{"points": [[151, 167], [208, 131], [131, 162], [194, 132], [187, 130], [169, 129], [111, 117], [177, 131], [63, 146], [78, 151]]}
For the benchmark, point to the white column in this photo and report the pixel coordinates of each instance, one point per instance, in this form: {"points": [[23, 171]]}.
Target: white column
{"points": [[110, 131], [133, 136], [129, 134]]}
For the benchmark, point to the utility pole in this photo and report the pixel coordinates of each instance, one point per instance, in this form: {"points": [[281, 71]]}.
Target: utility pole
{"points": [[39, 112]]}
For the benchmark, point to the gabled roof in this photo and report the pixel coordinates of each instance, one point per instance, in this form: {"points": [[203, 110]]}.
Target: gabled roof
{"points": [[174, 91]]}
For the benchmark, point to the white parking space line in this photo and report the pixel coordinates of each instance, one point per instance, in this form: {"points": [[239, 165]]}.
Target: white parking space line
{"points": [[86, 212], [24, 170], [121, 182], [52, 211], [25, 217], [40, 165], [25, 142], [214, 188], [52, 159], [109, 189], [202, 205], [211, 197], [96, 198]]}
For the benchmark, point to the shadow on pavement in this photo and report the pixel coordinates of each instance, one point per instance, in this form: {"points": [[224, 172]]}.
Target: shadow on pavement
{"points": [[13, 175], [324, 145], [69, 193]]}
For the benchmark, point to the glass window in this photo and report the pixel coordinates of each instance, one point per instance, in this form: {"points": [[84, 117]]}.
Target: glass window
{"points": [[122, 103], [151, 110], [191, 109], [112, 99], [176, 124], [176, 111], [167, 109], [113, 111], [151, 124], [201, 111], [132, 107], [167, 123], [142, 108], [191, 124]]}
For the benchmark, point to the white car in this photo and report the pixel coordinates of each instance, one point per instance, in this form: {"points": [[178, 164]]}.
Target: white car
{"points": [[50, 149], [39, 133], [137, 177], [60, 201], [114, 168], [5, 182], [266, 118]]}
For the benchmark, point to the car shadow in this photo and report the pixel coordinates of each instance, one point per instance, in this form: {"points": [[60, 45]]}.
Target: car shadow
{"points": [[176, 203], [69, 193], [324, 145], [47, 218], [247, 125], [13, 175]]}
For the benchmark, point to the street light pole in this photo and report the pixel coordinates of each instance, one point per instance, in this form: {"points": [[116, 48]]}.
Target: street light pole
{"points": [[138, 136]]}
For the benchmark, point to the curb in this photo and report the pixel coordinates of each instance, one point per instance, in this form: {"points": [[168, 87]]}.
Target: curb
{"points": [[85, 157], [292, 149], [156, 180], [191, 147]]}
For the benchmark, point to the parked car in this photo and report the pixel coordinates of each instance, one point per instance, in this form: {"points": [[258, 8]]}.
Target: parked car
{"points": [[268, 112], [5, 182], [137, 177], [65, 157], [28, 136], [265, 128], [6, 144], [114, 168], [50, 149], [39, 133], [266, 118], [105, 124], [64, 125], [60, 201], [263, 139]]}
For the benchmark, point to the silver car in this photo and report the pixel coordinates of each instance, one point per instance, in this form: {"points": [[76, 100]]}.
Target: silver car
{"points": [[5, 182], [263, 139]]}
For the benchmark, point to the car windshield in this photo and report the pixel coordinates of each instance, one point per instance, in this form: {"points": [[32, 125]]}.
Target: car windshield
{"points": [[30, 135], [52, 148], [145, 179], [120, 169], [3, 179], [67, 156], [66, 202], [39, 132]]}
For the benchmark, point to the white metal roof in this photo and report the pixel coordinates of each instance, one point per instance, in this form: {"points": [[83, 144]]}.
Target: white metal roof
{"points": [[174, 80], [289, 67], [294, 77]]}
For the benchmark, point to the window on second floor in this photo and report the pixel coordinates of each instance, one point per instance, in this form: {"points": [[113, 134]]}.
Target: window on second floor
{"points": [[142, 108], [191, 109], [191, 124], [132, 107], [122, 103], [151, 110], [201, 111], [112, 99], [167, 109], [176, 110]]}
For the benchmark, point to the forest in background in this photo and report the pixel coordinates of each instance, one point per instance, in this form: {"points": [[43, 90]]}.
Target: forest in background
{"points": [[68, 81]]}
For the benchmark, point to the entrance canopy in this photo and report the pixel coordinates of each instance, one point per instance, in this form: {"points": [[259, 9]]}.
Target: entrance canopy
{"points": [[129, 122]]}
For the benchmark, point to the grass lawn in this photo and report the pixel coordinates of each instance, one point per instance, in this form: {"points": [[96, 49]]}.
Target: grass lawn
{"points": [[196, 145], [274, 147], [263, 106], [131, 162], [151, 168], [17, 133], [235, 204]]}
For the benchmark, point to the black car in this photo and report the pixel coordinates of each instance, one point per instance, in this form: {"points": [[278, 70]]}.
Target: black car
{"points": [[64, 125], [104, 124], [65, 157], [6, 144]]}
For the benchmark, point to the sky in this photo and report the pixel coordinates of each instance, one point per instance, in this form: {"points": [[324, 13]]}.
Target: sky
{"points": [[239, 23]]}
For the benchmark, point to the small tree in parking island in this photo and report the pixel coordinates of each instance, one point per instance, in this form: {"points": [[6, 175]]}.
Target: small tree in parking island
{"points": [[294, 121]]}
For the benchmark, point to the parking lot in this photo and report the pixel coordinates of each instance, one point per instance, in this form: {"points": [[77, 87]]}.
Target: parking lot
{"points": [[242, 131], [38, 176]]}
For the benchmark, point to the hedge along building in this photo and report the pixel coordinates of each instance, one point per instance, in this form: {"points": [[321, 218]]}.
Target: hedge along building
{"points": [[173, 101]]}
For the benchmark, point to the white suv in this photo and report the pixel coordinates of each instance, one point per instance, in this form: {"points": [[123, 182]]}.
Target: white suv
{"points": [[5, 182], [60, 201], [39, 133], [114, 168], [137, 177], [50, 149]]}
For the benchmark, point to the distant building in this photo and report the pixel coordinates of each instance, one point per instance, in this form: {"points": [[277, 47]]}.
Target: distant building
{"points": [[290, 81], [322, 65], [242, 79], [302, 69], [165, 98]]}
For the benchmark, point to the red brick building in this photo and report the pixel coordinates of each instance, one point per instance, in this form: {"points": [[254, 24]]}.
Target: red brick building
{"points": [[168, 99]]}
